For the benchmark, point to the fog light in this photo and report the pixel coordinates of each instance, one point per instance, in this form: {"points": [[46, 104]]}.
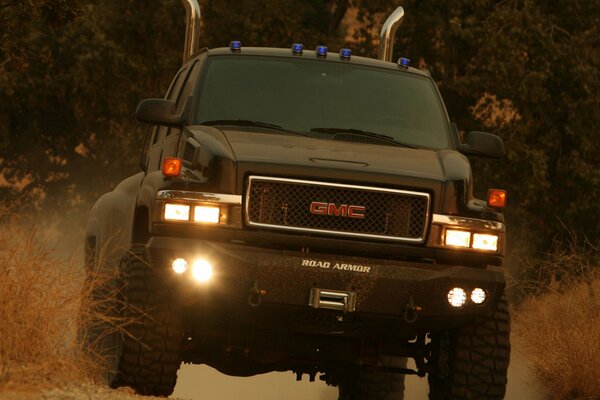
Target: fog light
{"points": [[177, 212], [457, 297], [482, 241], [202, 270], [207, 214], [458, 238], [478, 296], [179, 265]]}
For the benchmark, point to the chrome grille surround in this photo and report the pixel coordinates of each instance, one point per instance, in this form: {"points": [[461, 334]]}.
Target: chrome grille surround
{"points": [[271, 209]]}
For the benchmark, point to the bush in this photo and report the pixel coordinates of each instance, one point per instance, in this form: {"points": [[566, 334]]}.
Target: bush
{"points": [[558, 320], [40, 297]]}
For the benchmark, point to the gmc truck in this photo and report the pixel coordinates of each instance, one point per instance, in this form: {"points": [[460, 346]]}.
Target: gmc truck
{"points": [[304, 210]]}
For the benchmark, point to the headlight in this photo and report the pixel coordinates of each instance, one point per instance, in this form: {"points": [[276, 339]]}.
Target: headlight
{"points": [[207, 214], [202, 270], [482, 241], [458, 238], [177, 212], [457, 297]]}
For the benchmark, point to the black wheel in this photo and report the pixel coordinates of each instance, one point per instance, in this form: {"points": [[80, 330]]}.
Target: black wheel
{"points": [[151, 346], [472, 362], [372, 385]]}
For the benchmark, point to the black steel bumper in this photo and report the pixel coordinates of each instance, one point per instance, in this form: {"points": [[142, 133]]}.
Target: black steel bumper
{"points": [[383, 289]]}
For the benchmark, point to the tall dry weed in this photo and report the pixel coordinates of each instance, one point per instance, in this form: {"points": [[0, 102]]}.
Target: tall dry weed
{"points": [[558, 320], [561, 332], [40, 299], [46, 306]]}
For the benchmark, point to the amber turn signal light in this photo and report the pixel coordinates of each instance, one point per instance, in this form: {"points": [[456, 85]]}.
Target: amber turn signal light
{"points": [[496, 198], [171, 167]]}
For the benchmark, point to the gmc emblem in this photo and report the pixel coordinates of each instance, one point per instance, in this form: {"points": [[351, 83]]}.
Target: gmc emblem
{"points": [[343, 210]]}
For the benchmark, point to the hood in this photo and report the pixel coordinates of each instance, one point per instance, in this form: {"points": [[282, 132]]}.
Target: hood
{"points": [[265, 147]]}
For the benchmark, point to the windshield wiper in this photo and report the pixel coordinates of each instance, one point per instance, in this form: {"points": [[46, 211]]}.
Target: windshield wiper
{"points": [[247, 122], [360, 132]]}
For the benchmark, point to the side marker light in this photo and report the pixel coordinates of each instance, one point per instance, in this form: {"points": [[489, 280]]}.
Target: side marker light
{"points": [[171, 167], [496, 198]]}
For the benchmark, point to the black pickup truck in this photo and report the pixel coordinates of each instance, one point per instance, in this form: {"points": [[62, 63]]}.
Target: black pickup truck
{"points": [[311, 211]]}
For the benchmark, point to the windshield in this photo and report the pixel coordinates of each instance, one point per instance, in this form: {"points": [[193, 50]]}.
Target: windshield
{"points": [[323, 99]]}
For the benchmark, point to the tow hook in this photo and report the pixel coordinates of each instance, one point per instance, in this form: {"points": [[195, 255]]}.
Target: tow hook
{"points": [[411, 311], [256, 295]]}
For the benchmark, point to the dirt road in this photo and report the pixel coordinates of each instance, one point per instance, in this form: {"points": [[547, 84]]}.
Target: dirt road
{"points": [[201, 382]]}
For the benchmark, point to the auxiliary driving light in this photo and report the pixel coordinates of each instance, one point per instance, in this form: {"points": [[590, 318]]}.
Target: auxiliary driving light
{"points": [[207, 214], [457, 297], [482, 241], [458, 238], [179, 265], [177, 212], [478, 296], [202, 271]]}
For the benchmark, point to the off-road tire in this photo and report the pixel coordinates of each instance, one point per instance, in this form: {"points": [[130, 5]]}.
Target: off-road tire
{"points": [[152, 342], [366, 385], [472, 362]]}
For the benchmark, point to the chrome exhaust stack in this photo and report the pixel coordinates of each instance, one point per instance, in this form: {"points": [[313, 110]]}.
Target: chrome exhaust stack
{"points": [[192, 28], [388, 31]]}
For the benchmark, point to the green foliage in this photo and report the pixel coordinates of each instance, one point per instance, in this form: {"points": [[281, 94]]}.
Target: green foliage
{"points": [[72, 72]]}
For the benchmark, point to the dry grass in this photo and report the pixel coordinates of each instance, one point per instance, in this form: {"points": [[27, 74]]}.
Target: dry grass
{"points": [[40, 300], [559, 322], [44, 300]]}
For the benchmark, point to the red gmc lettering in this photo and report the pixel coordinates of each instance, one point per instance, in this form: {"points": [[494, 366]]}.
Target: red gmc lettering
{"points": [[343, 210], [356, 212], [318, 208]]}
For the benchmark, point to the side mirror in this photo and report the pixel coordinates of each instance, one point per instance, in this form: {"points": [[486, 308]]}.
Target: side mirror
{"points": [[158, 112], [482, 144]]}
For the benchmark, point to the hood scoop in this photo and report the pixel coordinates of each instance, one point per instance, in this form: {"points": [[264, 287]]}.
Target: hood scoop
{"points": [[350, 137]]}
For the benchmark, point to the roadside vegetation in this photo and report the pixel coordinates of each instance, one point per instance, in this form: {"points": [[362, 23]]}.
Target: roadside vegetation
{"points": [[558, 321], [40, 299], [45, 302]]}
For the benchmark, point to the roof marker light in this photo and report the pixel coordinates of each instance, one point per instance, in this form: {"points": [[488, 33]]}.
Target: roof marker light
{"points": [[345, 54], [321, 51], [235, 46], [297, 48], [404, 62]]}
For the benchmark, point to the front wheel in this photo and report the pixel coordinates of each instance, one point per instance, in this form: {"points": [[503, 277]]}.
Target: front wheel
{"points": [[472, 362], [151, 353]]}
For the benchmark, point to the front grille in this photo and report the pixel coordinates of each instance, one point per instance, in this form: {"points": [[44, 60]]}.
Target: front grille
{"points": [[286, 204]]}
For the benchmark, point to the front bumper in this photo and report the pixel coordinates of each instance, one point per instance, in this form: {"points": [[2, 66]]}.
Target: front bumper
{"points": [[382, 289]]}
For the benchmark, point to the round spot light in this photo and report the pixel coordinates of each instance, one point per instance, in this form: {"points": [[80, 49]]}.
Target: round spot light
{"points": [[179, 265], [202, 271], [478, 296], [457, 297]]}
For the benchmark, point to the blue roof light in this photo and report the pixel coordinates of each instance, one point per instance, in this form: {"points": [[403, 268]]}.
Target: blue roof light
{"points": [[321, 51], [345, 54], [297, 48], [404, 62], [235, 46]]}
